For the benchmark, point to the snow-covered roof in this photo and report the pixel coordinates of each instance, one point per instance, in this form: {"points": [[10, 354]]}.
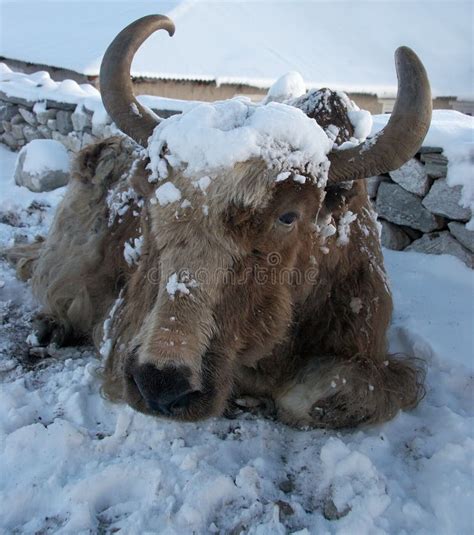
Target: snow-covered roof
{"points": [[343, 45]]}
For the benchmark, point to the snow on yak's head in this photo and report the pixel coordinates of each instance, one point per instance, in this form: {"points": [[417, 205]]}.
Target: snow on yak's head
{"points": [[240, 200]]}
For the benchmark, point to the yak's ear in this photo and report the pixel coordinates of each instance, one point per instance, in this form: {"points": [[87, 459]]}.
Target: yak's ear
{"points": [[329, 109], [102, 163], [105, 163], [139, 180], [86, 162]]}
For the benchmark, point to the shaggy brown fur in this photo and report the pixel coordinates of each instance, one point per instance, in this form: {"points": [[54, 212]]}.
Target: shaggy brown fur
{"points": [[295, 313]]}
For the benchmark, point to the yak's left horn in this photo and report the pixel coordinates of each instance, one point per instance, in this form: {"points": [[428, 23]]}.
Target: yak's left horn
{"points": [[404, 133], [115, 83]]}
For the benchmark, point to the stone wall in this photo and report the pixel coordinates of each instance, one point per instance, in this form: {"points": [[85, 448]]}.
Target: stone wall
{"points": [[417, 208], [22, 121], [419, 211]]}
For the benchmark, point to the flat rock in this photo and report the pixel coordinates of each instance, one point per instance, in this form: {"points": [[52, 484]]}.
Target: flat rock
{"points": [[442, 243], [372, 183], [396, 205], [16, 100], [393, 237], [44, 116], [412, 176], [88, 139], [54, 104], [9, 140], [462, 234], [7, 111], [17, 119], [164, 114], [443, 199], [430, 150], [412, 233], [28, 116], [30, 133], [72, 142], [42, 165], [81, 120], [436, 165], [433, 157], [17, 131], [64, 122], [44, 131]]}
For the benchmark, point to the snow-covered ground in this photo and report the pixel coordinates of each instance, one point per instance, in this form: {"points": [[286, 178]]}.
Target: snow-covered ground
{"points": [[73, 463]]}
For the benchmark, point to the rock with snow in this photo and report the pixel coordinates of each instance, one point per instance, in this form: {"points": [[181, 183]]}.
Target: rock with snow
{"points": [[42, 165], [401, 207], [444, 200], [442, 243], [462, 234], [393, 237], [413, 177]]}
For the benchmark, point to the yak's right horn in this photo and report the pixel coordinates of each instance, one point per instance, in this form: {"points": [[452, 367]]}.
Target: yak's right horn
{"points": [[115, 83]]}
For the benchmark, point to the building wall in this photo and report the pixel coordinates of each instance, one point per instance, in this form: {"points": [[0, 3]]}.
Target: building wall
{"points": [[209, 91]]}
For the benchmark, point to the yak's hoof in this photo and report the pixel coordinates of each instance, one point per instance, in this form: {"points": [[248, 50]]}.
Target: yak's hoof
{"points": [[336, 412]]}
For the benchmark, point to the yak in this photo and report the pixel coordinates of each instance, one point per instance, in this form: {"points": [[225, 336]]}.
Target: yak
{"points": [[176, 346]]}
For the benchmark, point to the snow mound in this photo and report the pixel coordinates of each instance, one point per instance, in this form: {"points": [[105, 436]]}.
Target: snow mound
{"points": [[290, 85], [454, 132], [212, 137]]}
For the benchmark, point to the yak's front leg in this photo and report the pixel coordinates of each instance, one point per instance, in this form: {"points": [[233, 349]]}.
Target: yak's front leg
{"points": [[333, 392], [348, 378]]}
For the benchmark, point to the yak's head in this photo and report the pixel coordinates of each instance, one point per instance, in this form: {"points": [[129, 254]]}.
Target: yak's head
{"points": [[239, 248]]}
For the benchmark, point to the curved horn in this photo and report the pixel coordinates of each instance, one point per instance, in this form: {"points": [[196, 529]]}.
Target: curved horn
{"points": [[402, 136], [115, 83]]}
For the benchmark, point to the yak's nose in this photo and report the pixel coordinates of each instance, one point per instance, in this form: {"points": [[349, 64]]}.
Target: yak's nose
{"points": [[163, 390]]}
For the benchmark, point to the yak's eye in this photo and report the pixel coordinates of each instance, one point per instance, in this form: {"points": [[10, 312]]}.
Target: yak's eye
{"points": [[288, 218]]}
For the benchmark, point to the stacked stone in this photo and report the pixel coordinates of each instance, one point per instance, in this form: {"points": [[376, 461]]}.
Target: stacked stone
{"points": [[21, 121], [419, 211]]}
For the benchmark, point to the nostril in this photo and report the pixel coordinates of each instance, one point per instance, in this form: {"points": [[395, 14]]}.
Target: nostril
{"points": [[183, 401], [163, 389]]}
